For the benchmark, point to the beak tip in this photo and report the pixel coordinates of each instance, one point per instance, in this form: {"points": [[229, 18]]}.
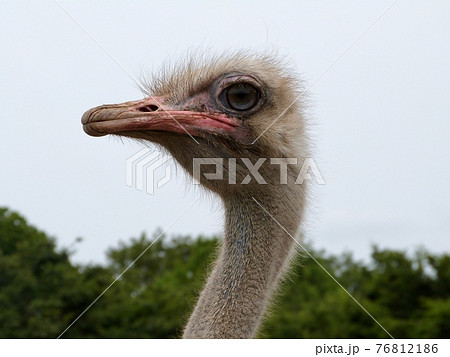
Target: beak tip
{"points": [[86, 116]]}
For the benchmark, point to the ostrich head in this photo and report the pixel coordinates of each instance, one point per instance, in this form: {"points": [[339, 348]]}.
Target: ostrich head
{"points": [[242, 112], [240, 106]]}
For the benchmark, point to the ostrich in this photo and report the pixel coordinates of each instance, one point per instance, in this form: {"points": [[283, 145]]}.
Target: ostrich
{"points": [[217, 108]]}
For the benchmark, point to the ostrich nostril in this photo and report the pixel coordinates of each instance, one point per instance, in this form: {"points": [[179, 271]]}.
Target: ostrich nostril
{"points": [[148, 108]]}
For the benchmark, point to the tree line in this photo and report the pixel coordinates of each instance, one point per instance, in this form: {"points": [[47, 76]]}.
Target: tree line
{"points": [[42, 292]]}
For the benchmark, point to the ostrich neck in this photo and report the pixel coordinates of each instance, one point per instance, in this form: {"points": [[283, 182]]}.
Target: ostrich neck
{"points": [[253, 254]]}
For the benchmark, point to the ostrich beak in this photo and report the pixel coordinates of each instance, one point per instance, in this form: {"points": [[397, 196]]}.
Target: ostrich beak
{"points": [[151, 114]]}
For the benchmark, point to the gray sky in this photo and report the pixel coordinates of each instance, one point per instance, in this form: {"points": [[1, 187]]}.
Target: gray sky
{"points": [[380, 116]]}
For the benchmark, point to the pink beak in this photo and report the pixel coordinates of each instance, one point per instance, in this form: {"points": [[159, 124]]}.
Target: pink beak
{"points": [[150, 114]]}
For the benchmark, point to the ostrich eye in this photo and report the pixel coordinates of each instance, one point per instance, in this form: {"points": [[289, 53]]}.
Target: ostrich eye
{"points": [[240, 96]]}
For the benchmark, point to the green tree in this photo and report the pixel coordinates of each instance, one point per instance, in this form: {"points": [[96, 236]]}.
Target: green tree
{"points": [[31, 276], [42, 292]]}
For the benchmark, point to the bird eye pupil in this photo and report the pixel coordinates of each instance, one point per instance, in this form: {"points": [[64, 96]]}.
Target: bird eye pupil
{"points": [[241, 96]]}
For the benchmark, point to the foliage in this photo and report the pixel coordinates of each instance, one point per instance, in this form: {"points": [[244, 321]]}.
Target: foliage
{"points": [[42, 292]]}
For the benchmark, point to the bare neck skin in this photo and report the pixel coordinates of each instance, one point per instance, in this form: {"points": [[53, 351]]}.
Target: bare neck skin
{"points": [[254, 252]]}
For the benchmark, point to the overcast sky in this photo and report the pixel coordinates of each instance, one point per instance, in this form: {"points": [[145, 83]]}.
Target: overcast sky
{"points": [[380, 116]]}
